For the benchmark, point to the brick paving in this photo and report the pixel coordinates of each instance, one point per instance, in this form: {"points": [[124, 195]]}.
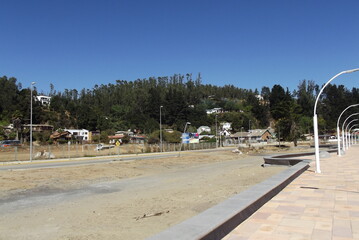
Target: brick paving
{"points": [[314, 206]]}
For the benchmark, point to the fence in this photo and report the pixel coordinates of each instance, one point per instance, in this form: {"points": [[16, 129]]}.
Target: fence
{"points": [[65, 151]]}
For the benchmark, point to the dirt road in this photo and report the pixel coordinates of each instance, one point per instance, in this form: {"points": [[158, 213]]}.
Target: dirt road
{"points": [[121, 200]]}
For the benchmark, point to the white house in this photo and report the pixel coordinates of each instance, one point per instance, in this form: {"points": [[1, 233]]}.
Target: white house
{"points": [[259, 97], [45, 100], [128, 132], [203, 129], [80, 134], [226, 126], [214, 110]]}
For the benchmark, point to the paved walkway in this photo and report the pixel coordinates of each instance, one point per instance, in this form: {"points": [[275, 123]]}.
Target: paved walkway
{"points": [[313, 206]]}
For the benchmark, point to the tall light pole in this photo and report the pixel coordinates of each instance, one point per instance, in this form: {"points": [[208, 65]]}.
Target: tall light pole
{"points": [[343, 130], [351, 135], [315, 119], [278, 136], [184, 131], [161, 128], [338, 133], [241, 134], [216, 132], [355, 131], [347, 133], [31, 89], [250, 135]]}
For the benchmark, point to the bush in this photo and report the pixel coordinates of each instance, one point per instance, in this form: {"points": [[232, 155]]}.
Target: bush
{"points": [[153, 140], [208, 139], [126, 139], [174, 137]]}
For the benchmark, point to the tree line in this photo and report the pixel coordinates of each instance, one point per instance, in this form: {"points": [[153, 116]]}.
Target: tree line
{"points": [[184, 98]]}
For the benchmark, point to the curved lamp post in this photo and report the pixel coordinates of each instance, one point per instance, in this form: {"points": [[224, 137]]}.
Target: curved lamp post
{"points": [[338, 133], [351, 140], [343, 132], [356, 137], [315, 119], [250, 134], [161, 127], [348, 133], [354, 134], [31, 89], [216, 132]]}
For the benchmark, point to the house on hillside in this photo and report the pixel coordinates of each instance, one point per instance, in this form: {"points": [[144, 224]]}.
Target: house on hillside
{"points": [[258, 135], [64, 135], [80, 134], [169, 130], [38, 127], [226, 126], [214, 110], [202, 129], [44, 100], [136, 139], [128, 133]]}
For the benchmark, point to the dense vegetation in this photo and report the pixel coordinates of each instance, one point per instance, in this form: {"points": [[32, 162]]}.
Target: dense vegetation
{"points": [[136, 105]]}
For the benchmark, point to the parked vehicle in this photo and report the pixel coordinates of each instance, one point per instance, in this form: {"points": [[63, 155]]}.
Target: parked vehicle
{"points": [[10, 143], [103, 146]]}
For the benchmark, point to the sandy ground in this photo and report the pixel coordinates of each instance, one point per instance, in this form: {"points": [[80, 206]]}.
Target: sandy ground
{"points": [[121, 200]]}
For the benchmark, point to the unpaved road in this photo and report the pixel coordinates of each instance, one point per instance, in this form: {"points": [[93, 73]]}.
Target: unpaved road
{"points": [[117, 200]]}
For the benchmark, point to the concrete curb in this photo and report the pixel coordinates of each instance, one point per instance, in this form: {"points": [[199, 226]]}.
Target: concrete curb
{"points": [[287, 159], [218, 221]]}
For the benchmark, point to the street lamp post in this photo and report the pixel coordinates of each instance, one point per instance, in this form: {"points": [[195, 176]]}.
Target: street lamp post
{"points": [[315, 119], [216, 132], [184, 131], [161, 128], [355, 132], [250, 135], [356, 135], [351, 140], [241, 134], [338, 134], [343, 130], [31, 89], [348, 133], [278, 136]]}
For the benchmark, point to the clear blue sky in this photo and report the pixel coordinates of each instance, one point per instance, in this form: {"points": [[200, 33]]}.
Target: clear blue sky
{"points": [[247, 43]]}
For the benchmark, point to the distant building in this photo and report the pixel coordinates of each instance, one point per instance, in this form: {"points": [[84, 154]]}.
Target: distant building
{"points": [[259, 97], [64, 135], [214, 110], [80, 134], [169, 130], [203, 129], [254, 135], [128, 132], [39, 127], [137, 139], [226, 126], [44, 100]]}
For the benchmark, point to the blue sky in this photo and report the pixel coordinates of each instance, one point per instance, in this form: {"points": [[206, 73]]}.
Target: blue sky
{"points": [[247, 43]]}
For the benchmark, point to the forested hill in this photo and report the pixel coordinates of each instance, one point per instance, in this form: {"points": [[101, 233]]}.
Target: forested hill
{"points": [[136, 105]]}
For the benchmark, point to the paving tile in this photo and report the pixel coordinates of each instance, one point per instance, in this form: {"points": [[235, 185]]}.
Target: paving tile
{"points": [[355, 227], [298, 223], [313, 206], [319, 234], [260, 215], [267, 228], [275, 217], [324, 225], [234, 237]]}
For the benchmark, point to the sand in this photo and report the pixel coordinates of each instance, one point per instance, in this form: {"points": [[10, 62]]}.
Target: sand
{"points": [[121, 200]]}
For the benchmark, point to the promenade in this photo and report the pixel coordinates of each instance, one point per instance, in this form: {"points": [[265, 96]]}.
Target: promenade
{"points": [[313, 206]]}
